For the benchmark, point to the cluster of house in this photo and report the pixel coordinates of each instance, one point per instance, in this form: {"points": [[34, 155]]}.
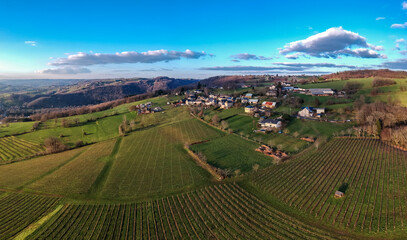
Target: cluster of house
{"points": [[310, 91], [223, 101], [147, 108], [263, 112]]}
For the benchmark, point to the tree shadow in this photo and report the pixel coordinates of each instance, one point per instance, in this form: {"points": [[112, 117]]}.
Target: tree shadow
{"points": [[343, 187]]}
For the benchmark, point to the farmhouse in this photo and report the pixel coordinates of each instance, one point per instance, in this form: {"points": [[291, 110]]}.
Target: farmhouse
{"points": [[310, 112], [270, 123], [272, 93], [245, 100], [226, 104], [269, 104], [253, 101], [249, 109], [321, 91]]}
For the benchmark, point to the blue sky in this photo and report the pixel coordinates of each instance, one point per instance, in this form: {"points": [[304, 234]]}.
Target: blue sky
{"points": [[103, 39]]}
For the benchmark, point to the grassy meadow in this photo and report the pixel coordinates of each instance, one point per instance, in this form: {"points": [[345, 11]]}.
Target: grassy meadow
{"points": [[153, 161]]}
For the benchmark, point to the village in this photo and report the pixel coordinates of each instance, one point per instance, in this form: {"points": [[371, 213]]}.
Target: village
{"points": [[263, 107]]}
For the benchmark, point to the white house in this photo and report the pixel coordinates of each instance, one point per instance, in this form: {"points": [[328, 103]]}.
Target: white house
{"points": [[270, 123], [249, 95], [321, 91], [269, 104], [310, 112], [226, 104], [253, 101], [249, 109]]}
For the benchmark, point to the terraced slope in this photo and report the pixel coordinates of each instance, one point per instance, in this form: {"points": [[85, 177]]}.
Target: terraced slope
{"points": [[371, 174], [13, 148], [218, 212]]}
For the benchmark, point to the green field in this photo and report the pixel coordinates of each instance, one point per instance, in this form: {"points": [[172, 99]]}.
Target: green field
{"points": [[13, 148], [309, 128], [21, 173], [371, 174], [15, 128], [244, 125], [77, 176], [232, 152], [392, 90], [153, 161], [95, 127], [219, 212]]}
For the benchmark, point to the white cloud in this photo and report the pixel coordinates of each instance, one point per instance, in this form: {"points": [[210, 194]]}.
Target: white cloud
{"points": [[279, 66], [64, 70], [87, 59], [247, 56], [331, 44], [311, 65], [399, 42], [380, 18], [361, 53], [399, 25], [404, 5], [31, 43]]}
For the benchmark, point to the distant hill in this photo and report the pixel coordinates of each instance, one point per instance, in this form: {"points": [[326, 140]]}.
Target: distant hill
{"points": [[225, 80], [385, 73], [98, 91]]}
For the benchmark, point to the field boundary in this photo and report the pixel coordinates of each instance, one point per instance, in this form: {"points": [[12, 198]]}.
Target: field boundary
{"points": [[98, 184], [203, 164], [33, 227]]}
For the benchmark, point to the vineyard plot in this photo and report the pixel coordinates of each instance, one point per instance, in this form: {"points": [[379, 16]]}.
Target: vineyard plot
{"points": [[154, 161], [18, 211], [23, 172], [13, 148], [218, 212], [370, 173], [77, 176]]}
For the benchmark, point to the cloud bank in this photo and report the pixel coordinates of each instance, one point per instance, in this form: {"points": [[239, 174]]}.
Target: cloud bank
{"points": [[87, 59], [247, 56], [400, 64], [279, 66], [64, 71], [332, 43], [399, 25]]}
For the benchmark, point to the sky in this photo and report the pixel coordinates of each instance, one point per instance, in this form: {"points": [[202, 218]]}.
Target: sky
{"points": [[198, 39]]}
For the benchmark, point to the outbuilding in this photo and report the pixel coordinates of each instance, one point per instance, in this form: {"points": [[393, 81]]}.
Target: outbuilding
{"points": [[339, 194]]}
